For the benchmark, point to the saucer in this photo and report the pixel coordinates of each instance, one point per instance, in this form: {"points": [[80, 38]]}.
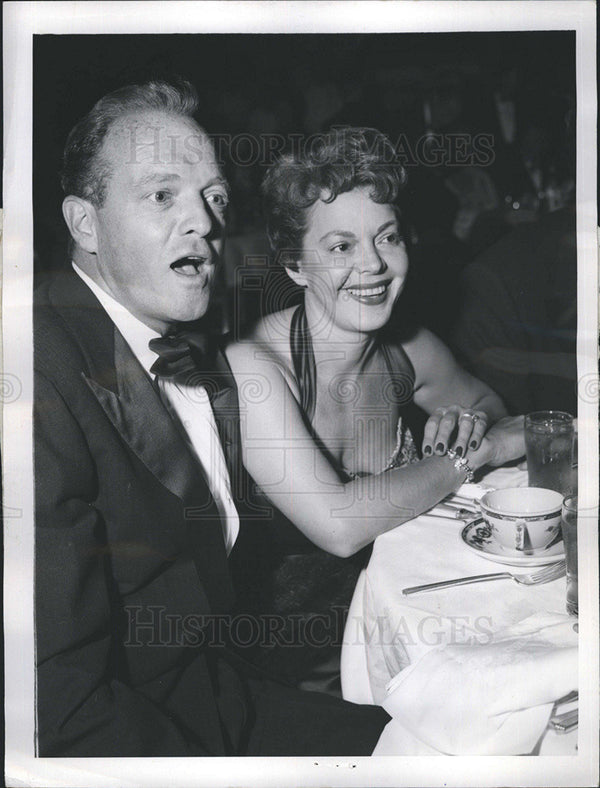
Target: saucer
{"points": [[478, 536]]}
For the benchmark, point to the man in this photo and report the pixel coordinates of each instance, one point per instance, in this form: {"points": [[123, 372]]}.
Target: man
{"points": [[134, 515]]}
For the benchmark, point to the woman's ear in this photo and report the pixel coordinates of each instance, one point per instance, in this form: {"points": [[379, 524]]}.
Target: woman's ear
{"points": [[296, 275], [80, 217]]}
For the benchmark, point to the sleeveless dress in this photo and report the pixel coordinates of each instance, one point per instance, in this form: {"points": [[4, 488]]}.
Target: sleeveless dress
{"points": [[306, 588]]}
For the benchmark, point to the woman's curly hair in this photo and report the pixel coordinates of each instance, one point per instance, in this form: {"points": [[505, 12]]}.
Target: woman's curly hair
{"points": [[341, 160]]}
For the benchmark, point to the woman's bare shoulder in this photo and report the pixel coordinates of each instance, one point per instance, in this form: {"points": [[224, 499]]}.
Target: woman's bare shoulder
{"points": [[420, 339], [432, 361], [273, 329], [424, 348], [267, 342]]}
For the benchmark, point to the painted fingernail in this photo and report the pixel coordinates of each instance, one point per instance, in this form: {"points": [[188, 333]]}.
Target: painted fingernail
{"points": [[440, 447], [427, 450], [473, 444], [458, 451]]}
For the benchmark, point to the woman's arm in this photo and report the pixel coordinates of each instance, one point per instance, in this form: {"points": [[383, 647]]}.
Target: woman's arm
{"points": [[282, 457], [447, 392]]}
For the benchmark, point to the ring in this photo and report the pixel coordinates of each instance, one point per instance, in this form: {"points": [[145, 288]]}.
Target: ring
{"points": [[472, 416]]}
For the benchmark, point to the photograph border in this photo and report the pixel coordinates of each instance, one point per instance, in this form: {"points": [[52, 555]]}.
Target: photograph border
{"points": [[23, 20]]}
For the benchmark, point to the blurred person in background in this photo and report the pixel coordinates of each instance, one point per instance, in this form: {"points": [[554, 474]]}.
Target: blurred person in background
{"points": [[516, 324]]}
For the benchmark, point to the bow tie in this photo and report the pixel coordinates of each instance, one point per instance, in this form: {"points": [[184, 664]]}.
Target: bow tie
{"points": [[180, 353]]}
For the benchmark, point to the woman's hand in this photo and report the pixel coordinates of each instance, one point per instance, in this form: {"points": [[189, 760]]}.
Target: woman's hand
{"points": [[465, 427], [503, 442]]}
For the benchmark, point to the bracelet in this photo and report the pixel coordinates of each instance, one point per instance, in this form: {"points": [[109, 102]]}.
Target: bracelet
{"points": [[461, 464]]}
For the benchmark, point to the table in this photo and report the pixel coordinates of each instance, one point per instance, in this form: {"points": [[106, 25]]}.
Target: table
{"points": [[387, 631]]}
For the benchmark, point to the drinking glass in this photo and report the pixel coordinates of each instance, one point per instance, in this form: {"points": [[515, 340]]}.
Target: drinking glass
{"points": [[549, 446], [569, 532]]}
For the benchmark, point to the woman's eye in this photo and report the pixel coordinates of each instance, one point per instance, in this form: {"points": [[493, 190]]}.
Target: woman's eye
{"points": [[392, 238], [343, 246]]}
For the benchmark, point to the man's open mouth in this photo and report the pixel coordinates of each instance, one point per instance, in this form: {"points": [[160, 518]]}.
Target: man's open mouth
{"points": [[188, 266]]}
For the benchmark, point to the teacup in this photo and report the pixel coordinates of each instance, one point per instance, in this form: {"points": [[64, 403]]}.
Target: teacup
{"points": [[523, 518]]}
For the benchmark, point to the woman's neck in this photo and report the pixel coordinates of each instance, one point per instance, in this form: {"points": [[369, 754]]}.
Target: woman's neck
{"points": [[337, 348]]}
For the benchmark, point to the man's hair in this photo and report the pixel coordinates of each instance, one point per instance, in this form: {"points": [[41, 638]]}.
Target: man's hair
{"points": [[85, 171], [341, 160]]}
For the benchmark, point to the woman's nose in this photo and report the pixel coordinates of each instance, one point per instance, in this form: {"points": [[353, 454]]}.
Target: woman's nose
{"points": [[371, 261]]}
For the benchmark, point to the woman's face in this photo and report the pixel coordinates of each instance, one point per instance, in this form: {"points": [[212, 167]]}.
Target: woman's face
{"points": [[354, 262]]}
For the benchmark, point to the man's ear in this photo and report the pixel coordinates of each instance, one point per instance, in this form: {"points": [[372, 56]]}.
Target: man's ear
{"points": [[80, 216], [296, 275]]}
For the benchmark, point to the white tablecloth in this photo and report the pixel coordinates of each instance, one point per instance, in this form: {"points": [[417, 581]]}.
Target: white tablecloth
{"points": [[387, 631]]}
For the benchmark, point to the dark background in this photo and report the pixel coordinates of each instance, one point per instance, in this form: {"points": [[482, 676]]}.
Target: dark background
{"points": [[403, 84]]}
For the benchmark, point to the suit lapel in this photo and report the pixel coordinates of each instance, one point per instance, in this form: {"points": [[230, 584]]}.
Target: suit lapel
{"points": [[138, 414], [123, 388], [224, 403], [154, 437], [130, 402]]}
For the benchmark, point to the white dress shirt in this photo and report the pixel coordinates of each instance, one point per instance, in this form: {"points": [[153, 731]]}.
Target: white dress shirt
{"points": [[189, 405]]}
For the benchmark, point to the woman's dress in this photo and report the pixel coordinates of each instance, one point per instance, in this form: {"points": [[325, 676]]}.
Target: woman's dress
{"points": [[281, 574]]}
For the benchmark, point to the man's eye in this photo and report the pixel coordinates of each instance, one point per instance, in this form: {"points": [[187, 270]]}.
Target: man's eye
{"points": [[219, 199], [160, 197]]}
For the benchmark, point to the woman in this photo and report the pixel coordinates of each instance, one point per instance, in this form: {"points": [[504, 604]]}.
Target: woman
{"points": [[330, 442]]}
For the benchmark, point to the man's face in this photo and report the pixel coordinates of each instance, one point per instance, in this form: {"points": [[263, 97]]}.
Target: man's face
{"points": [[159, 233]]}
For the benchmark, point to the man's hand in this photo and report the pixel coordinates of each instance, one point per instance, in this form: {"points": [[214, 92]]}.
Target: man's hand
{"points": [[503, 442]]}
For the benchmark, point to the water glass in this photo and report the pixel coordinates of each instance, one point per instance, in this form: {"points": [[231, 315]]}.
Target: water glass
{"points": [[549, 438], [569, 533]]}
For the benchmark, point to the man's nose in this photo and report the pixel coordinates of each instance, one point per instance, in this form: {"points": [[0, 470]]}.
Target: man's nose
{"points": [[371, 261], [196, 217]]}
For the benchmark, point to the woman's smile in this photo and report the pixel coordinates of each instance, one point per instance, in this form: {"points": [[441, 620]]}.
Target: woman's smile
{"points": [[373, 294]]}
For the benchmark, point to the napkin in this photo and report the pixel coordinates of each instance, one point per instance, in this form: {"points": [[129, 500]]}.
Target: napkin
{"points": [[497, 479], [488, 698]]}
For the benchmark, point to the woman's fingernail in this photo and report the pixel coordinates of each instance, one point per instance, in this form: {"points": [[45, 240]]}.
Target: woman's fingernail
{"points": [[440, 447], [427, 450], [458, 451], [473, 444]]}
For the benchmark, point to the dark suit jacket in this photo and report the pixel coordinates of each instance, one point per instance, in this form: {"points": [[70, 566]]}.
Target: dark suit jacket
{"points": [[132, 581], [129, 550]]}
